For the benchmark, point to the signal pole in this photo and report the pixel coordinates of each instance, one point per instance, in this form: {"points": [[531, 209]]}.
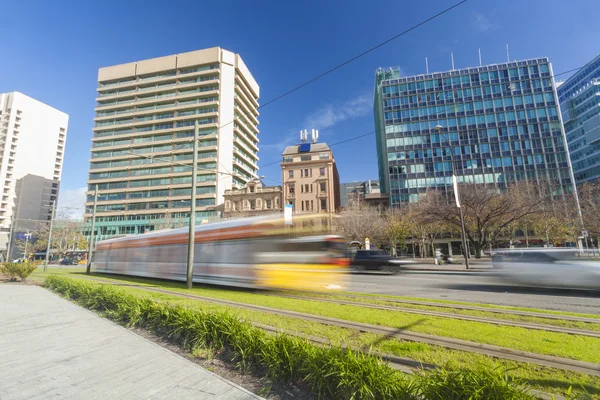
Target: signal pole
{"points": [[192, 234]]}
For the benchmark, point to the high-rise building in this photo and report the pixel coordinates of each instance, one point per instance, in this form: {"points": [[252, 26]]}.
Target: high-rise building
{"points": [[32, 145], [143, 138], [580, 105], [311, 182], [502, 123]]}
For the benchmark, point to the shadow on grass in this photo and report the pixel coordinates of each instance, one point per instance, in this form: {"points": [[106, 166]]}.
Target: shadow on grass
{"points": [[587, 389], [391, 335], [521, 290]]}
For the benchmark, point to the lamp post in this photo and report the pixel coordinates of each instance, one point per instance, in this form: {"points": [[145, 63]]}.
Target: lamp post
{"points": [[438, 129]]}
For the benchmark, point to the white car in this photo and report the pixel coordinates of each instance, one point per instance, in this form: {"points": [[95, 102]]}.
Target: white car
{"points": [[554, 268]]}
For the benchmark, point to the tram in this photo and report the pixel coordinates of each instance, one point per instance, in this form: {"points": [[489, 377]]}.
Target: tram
{"points": [[256, 252]]}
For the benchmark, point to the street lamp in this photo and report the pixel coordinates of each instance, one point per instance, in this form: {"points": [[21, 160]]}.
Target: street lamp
{"points": [[438, 129]]}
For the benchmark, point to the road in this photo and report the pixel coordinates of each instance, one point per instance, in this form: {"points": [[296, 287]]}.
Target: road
{"points": [[479, 287]]}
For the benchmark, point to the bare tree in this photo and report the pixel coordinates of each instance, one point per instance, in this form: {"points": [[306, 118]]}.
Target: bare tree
{"points": [[487, 210], [168, 222], [359, 221], [396, 228], [589, 197]]}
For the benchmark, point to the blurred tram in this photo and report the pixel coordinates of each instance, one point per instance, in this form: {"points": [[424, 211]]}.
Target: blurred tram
{"points": [[256, 252]]}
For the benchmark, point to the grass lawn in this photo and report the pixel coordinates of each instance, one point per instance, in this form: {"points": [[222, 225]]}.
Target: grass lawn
{"points": [[551, 343], [541, 378]]}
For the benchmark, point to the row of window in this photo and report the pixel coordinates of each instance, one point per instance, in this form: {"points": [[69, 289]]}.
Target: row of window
{"points": [[496, 162], [152, 193], [458, 95], [153, 182], [181, 71], [574, 83], [416, 128], [481, 150], [163, 95], [496, 104], [151, 217], [158, 170], [470, 79], [164, 85], [151, 205], [307, 188], [306, 172], [165, 125], [489, 118], [561, 175]]}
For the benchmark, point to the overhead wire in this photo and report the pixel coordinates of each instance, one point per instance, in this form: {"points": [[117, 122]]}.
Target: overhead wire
{"points": [[335, 68]]}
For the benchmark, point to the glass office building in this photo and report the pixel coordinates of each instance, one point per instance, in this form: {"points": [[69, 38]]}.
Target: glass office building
{"points": [[502, 122], [580, 104]]}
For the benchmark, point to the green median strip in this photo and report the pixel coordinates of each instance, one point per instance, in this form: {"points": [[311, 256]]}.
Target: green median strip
{"points": [[329, 372], [575, 347]]}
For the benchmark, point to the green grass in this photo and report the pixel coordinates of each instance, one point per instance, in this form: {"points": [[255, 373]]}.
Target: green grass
{"points": [[457, 311], [330, 372], [576, 347]]}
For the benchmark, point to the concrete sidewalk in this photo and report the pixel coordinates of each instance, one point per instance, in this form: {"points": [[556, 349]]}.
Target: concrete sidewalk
{"points": [[51, 348]]}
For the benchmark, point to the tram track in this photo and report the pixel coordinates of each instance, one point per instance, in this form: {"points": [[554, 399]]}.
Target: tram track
{"points": [[572, 318], [397, 333], [527, 325]]}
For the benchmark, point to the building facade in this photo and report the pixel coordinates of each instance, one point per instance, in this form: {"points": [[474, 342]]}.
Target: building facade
{"points": [[142, 147], [32, 144], [253, 199], [357, 190], [311, 182], [502, 122], [580, 105]]}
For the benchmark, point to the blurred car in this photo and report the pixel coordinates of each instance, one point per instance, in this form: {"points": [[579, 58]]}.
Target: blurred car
{"points": [[551, 268], [375, 260], [18, 260], [66, 261]]}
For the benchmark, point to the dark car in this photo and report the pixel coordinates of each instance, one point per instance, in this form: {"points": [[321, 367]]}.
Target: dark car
{"points": [[66, 261], [375, 260]]}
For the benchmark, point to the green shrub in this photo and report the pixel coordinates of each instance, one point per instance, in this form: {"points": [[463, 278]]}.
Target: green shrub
{"points": [[17, 270], [330, 372]]}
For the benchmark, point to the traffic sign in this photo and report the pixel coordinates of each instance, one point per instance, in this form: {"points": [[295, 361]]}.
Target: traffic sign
{"points": [[584, 233]]}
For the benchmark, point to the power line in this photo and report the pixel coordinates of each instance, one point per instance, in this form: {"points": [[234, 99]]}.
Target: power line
{"points": [[439, 14]]}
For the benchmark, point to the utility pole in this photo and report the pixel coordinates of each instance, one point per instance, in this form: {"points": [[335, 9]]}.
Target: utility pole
{"points": [[52, 214], [466, 251], [10, 238], [27, 235], [91, 245], [192, 235]]}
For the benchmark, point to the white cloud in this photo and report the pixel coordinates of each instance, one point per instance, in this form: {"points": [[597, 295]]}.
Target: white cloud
{"points": [[71, 202], [332, 114], [484, 24]]}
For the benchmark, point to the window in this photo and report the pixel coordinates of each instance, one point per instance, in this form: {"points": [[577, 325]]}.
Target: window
{"points": [[291, 190], [253, 204], [268, 204], [323, 205], [322, 186], [251, 187], [321, 171], [291, 173]]}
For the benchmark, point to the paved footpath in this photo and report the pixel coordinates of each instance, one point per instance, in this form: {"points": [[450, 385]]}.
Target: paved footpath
{"points": [[51, 348]]}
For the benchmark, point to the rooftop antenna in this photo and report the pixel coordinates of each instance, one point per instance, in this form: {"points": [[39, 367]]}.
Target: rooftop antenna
{"points": [[479, 50], [303, 136], [452, 56], [426, 66], [507, 54], [315, 135]]}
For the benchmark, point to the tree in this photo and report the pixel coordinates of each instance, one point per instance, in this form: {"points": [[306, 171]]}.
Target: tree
{"points": [[67, 235], [487, 210], [396, 229], [589, 198], [359, 221], [169, 222]]}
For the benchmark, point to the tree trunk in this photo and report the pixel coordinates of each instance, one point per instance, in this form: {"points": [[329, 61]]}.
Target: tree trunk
{"points": [[477, 246]]}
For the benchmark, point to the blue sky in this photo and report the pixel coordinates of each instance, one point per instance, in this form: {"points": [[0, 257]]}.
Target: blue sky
{"points": [[51, 51]]}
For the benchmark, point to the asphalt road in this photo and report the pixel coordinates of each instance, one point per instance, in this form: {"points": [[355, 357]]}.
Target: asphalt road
{"points": [[479, 287]]}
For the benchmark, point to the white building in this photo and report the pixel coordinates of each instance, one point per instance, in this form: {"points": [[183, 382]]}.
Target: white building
{"points": [[32, 144], [142, 153]]}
